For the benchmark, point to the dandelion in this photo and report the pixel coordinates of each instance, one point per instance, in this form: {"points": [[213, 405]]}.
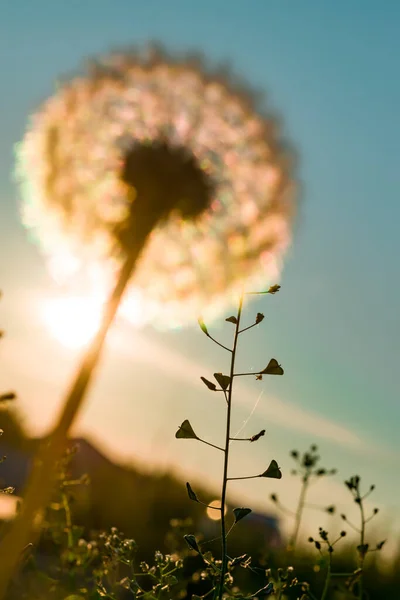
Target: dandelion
{"points": [[154, 154], [148, 147]]}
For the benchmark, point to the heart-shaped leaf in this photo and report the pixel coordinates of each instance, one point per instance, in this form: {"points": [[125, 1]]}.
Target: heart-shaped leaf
{"points": [[203, 326], [191, 493], [185, 431], [192, 542], [273, 471], [223, 380], [231, 320], [211, 386], [259, 318], [241, 513], [256, 437], [273, 368]]}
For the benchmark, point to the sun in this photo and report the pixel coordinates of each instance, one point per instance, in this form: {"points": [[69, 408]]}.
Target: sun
{"points": [[73, 321]]}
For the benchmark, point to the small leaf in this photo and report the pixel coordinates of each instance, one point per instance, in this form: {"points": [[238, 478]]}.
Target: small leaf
{"points": [[380, 545], [273, 289], [273, 471], [185, 431], [231, 320], [211, 386], [256, 437], [223, 380], [192, 542], [273, 368], [7, 396], [203, 325], [241, 513], [259, 318], [191, 493]]}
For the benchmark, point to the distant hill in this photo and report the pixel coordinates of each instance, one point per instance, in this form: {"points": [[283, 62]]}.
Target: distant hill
{"points": [[138, 503]]}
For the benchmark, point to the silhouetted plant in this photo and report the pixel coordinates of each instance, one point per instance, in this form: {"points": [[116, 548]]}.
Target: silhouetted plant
{"points": [[309, 471], [224, 385], [355, 582], [144, 151], [326, 547]]}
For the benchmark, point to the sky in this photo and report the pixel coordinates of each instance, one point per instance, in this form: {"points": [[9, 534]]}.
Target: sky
{"points": [[329, 70]]}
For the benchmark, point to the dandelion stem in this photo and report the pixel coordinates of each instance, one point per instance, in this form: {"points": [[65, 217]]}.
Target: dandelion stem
{"points": [[220, 588], [40, 485]]}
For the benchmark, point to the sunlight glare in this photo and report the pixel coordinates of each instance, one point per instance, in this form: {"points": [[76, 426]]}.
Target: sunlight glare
{"points": [[73, 321]]}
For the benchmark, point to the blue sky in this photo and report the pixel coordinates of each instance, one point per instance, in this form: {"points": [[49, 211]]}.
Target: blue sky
{"points": [[330, 71]]}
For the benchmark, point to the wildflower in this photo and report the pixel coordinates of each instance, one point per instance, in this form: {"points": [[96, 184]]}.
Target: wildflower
{"points": [[140, 142]]}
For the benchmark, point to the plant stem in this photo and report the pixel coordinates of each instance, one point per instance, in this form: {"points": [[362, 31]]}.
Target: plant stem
{"points": [[41, 481], [219, 344], [299, 513], [362, 541], [220, 589], [328, 578], [210, 444], [68, 522]]}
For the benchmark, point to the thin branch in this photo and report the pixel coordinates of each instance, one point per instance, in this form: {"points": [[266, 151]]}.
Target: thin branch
{"points": [[247, 328], [219, 344], [247, 477], [286, 511], [209, 505], [352, 526], [251, 373], [210, 444]]}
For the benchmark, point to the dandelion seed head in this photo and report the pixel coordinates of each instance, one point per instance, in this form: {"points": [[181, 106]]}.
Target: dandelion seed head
{"points": [[158, 132]]}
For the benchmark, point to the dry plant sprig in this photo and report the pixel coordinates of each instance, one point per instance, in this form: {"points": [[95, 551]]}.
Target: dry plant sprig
{"points": [[324, 541], [309, 471], [363, 548], [186, 431], [147, 151]]}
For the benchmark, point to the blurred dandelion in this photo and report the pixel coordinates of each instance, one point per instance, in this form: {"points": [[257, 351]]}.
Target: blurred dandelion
{"points": [[147, 152], [146, 143]]}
